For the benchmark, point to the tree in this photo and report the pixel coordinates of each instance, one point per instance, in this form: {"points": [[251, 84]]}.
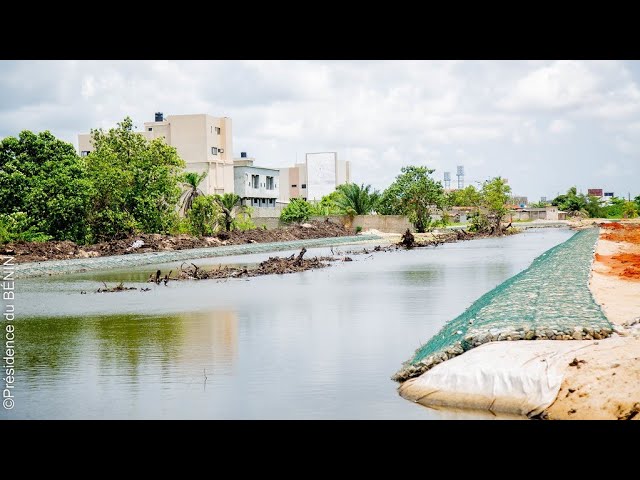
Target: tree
{"points": [[571, 202], [297, 210], [327, 205], [191, 180], [495, 195], [353, 199], [414, 194], [136, 183], [466, 197], [231, 208], [43, 178]]}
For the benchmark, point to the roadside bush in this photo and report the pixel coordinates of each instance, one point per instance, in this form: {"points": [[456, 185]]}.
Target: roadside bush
{"points": [[203, 216], [298, 210]]}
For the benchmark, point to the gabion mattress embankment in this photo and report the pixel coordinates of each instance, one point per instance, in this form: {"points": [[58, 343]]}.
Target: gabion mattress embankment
{"points": [[549, 300]]}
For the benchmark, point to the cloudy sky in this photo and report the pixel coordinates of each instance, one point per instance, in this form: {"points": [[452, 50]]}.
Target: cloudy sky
{"points": [[544, 125]]}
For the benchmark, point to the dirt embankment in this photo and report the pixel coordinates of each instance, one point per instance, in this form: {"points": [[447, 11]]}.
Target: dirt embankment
{"points": [[62, 250], [604, 381], [626, 262]]}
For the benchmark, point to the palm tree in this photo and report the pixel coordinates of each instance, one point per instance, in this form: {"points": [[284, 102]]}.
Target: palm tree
{"points": [[356, 199], [230, 204], [191, 180]]}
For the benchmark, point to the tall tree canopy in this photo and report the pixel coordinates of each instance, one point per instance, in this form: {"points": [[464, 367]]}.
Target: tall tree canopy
{"points": [[44, 178], [136, 183]]}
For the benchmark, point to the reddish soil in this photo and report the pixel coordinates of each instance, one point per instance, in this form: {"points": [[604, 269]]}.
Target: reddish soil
{"points": [[625, 265], [618, 232], [62, 250]]}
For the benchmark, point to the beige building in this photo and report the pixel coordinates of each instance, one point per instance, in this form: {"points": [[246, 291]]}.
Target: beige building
{"points": [[204, 142], [319, 175]]}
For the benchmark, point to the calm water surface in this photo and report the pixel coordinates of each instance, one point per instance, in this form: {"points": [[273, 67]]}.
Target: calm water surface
{"points": [[317, 344]]}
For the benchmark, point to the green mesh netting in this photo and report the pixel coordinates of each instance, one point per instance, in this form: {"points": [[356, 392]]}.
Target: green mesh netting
{"points": [[549, 300], [53, 267]]}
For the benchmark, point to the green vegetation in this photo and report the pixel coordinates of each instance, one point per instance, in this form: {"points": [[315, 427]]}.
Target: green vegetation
{"points": [[588, 206], [191, 180], [413, 193], [467, 197], [44, 189], [298, 210], [495, 195], [135, 183], [353, 199], [204, 215], [327, 205], [15, 227]]}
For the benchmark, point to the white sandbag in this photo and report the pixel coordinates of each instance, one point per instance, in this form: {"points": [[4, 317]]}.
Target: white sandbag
{"points": [[521, 377]]}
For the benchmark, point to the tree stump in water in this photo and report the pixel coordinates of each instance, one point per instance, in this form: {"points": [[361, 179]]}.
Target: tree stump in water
{"points": [[407, 239]]}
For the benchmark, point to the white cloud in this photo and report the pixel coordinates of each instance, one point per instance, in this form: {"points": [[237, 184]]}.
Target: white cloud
{"points": [[380, 114], [560, 125]]}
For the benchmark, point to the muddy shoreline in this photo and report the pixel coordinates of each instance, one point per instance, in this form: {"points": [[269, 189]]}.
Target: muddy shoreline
{"points": [[29, 252]]}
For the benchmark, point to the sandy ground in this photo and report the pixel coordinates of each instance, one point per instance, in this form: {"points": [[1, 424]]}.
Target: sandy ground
{"points": [[607, 384]]}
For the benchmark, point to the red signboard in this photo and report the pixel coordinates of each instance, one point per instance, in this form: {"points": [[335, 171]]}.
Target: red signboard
{"points": [[594, 192]]}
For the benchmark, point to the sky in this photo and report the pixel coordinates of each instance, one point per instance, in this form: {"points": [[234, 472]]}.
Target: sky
{"points": [[543, 125]]}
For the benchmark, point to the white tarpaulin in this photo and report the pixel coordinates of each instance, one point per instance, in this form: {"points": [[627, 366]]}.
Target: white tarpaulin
{"points": [[521, 378]]}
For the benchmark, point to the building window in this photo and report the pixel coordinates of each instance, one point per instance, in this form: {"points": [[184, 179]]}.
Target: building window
{"points": [[218, 130], [150, 129], [294, 186], [212, 129], [84, 153], [304, 185], [214, 151], [255, 180], [269, 183], [264, 201]]}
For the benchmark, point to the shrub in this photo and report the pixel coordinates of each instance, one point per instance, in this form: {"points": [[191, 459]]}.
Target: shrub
{"points": [[242, 220], [204, 215], [298, 210], [358, 229], [15, 228]]}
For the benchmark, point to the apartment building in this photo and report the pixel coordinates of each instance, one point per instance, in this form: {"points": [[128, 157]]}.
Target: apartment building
{"points": [[204, 142], [319, 175], [256, 186]]}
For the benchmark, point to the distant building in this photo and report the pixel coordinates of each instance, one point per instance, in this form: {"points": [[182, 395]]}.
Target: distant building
{"points": [[202, 141], [544, 213], [256, 186], [519, 201], [319, 175]]}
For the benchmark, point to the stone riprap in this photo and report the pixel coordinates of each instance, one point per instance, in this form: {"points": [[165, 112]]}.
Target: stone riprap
{"points": [[56, 267], [549, 300]]}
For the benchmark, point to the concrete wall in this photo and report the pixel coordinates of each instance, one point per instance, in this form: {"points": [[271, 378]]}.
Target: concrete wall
{"points": [[548, 213], [383, 223], [271, 222]]}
